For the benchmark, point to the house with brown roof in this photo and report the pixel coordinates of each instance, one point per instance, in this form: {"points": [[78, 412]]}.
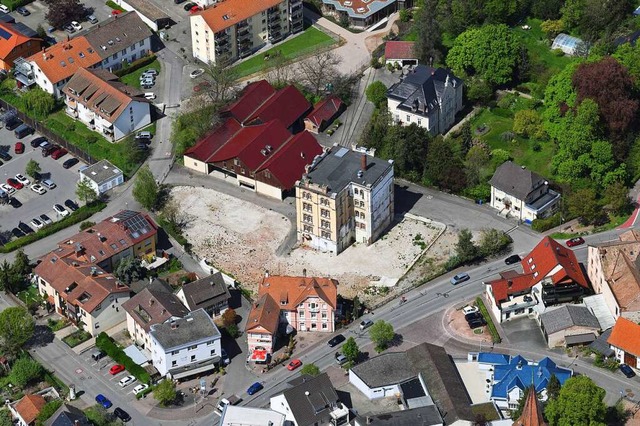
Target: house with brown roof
{"points": [[98, 99], [323, 114], [303, 303], [236, 28], [209, 293], [153, 305], [107, 45], [400, 53], [25, 411], [551, 274], [14, 44], [625, 342], [255, 145], [613, 269]]}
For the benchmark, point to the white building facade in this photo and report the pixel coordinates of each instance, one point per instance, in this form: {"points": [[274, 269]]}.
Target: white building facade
{"points": [[102, 176]]}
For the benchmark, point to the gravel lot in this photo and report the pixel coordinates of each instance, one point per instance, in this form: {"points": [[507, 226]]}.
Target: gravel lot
{"points": [[241, 239]]}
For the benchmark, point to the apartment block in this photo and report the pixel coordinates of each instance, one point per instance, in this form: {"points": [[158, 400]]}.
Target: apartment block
{"points": [[235, 28], [345, 196]]}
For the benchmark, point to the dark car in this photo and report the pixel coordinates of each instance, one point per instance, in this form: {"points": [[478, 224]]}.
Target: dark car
{"points": [[13, 124], [70, 163], [25, 228], [254, 388], [15, 203], [23, 11], [188, 6], [5, 156], [477, 323], [103, 400], [49, 149], [474, 316], [627, 371], [35, 142], [69, 29], [512, 259], [17, 232], [121, 414], [336, 340], [71, 205], [178, 1], [575, 242]]}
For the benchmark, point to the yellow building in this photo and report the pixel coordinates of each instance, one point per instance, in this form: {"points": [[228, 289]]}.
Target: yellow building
{"points": [[345, 196], [237, 28]]}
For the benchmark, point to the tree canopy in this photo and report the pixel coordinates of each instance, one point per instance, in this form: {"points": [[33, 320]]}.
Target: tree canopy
{"points": [[351, 350], [165, 392], [310, 369], [145, 188], [579, 401], [381, 334], [16, 328]]}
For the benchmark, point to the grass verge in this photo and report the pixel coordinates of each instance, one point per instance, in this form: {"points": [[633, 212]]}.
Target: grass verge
{"points": [[309, 41], [495, 336]]}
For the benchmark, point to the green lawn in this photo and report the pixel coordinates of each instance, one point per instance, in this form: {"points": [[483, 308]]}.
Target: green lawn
{"points": [[309, 41], [30, 294], [133, 79], [521, 150]]}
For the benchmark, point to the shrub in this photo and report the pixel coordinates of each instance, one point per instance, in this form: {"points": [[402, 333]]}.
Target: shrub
{"points": [[48, 410], [86, 225], [507, 136], [537, 147], [487, 317], [405, 15], [71, 127], [375, 63], [135, 65], [541, 225]]}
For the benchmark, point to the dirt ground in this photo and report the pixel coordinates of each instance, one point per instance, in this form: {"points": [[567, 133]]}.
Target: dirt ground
{"points": [[241, 239]]}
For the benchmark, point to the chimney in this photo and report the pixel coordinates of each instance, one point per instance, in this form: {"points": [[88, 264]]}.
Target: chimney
{"points": [[369, 420], [151, 302], [304, 272], [266, 274], [363, 162], [173, 325]]}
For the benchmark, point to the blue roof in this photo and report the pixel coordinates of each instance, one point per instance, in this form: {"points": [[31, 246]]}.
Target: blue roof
{"points": [[519, 373], [493, 358]]}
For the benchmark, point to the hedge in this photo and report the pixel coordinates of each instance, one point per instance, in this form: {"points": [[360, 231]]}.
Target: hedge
{"points": [[108, 346], [115, 6], [79, 215], [495, 336], [541, 225], [14, 4], [137, 64]]}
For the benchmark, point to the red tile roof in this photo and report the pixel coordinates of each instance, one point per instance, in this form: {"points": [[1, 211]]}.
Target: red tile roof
{"points": [[399, 50], [626, 336], [287, 163], [29, 407], [63, 59], [250, 99], [324, 110], [510, 284], [206, 147], [286, 105], [230, 12], [13, 40], [264, 315], [532, 412], [291, 291], [547, 256]]}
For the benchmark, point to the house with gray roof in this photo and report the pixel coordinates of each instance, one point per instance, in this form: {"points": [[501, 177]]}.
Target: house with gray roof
{"points": [[187, 346], [426, 96], [423, 416], [569, 325], [209, 293], [311, 401], [102, 176], [68, 415], [522, 194], [422, 376]]}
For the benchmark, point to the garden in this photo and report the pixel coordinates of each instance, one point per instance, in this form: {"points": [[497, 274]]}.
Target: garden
{"points": [[76, 338]]}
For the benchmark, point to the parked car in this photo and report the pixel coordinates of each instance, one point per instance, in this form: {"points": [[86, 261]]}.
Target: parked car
{"points": [[476, 323], [627, 371], [6, 188], [144, 135], [146, 85], [35, 142], [126, 381], [19, 148], [71, 205], [225, 357], [575, 242], [195, 9], [294, 364], [13, 123], [473, 316], [48, 183], [512, 259], [365, 324], [469, 309], [150, 71], [60, 152], [5, 156], [149, 96], [23, 180], [140, 388], [49, 149], [121, 414], [60, 210], [76, 25], [4, 9], [115, 369], [23, 11], [336, 340], [147, 82], [102, 400], [25, 228], [255, 388], [69, 29], [459, 278], [178, 1], [45, 219], [188, 6], [92, 19], [340, 358], [15, 203], [195, 73], [14, 183], [70, 163], [36, 223], [17, 232], [37, 188]]}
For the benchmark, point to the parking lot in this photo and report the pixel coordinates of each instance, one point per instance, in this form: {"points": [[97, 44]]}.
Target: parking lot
{"points": [[33, 204]]}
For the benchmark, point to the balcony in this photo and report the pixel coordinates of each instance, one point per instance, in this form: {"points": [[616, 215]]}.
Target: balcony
{"points": [[241, 25], [221, 36], [222, 49], [521, 302], [296, 9], [273, 11], [275, 27]]}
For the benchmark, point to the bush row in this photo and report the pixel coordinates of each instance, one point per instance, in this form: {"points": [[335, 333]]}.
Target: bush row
{"points": [[541, 225], [13, 4], [137, 64], [108, 346], [79, 215], [495, 336]]}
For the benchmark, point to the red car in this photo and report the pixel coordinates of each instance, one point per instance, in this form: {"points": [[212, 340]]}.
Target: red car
{"points": [[575, 242], [14, 183], [116, 369], [19, 148], [58, 153], [195, 9], [116, 12], [294, 364]]}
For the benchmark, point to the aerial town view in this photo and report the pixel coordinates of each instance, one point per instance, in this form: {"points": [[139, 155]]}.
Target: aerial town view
{"points": [[320, 212]]}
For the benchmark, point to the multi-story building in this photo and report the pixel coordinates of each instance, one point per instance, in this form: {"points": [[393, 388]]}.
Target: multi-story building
{"points": [[108, 45], [16, 43], [429, 97], [209, 293], [185, 346], [262, 327], [363, 13], [345, 196], [236, 28], [98, 99]]}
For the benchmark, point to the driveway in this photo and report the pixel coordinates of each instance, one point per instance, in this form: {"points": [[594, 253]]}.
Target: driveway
{"points": [[524, 333]]}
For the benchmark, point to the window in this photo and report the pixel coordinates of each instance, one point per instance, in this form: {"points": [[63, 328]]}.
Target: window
{"points": [[307, 218], [174, 363], [324, 326], [301, 314], [362, 216], [210, 342], [325, 224], [115, 56], [141, 43], [326, 235], [236, 162], [408, 118], [357, 214], [193, 348], [307, 228], [324, 213], [324, 315], [193, 358], [419, 121], [213, 352], [175, 352], [306, 207], [314, 315]]}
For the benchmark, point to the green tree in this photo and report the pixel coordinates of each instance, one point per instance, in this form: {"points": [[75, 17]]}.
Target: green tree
{"points": [[572, 12], [583, 203], [25, 370], [39, 102], [528, 123], [21, 265], [5, 418], [477, 161], [407, 145], [629, 56], [493, 241], [428, 46], [617, 198], [466, 249], [145, 189], [8, 281], [351, 350], [165, 392], [377, 94], [16, 328], [491, 51], [32, 168], [221, 78], [86, 225], [552, 28], [129, 270], [499, 156], [443, 167], [579, 402], [478, 90], [381, 334], [47, 411], [85, 192], [310, 370], [466, 137], [99, 416], [553, 387]]}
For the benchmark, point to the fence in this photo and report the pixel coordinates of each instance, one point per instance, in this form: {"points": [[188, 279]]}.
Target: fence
{"points": [[44, 131]]}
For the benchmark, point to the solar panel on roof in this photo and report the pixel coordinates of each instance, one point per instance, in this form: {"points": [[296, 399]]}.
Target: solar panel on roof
{"points": [[137, 225], [5, 34]]}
